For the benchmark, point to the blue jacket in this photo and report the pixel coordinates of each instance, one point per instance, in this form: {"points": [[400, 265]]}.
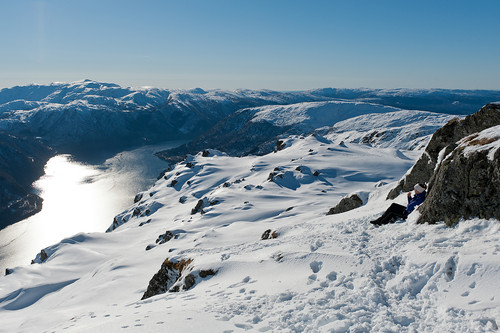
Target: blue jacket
{"points": [[415, 201]]}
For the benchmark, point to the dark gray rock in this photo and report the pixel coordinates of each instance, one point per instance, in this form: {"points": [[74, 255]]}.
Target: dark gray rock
{"points": [[464, 185], [136, 212], [43, 255], [446, 138], [346, 204], [142, 223], [138, 197], [198, 207], [116, 224], [189, 282], [162, 239], [280, 145], [206, 272]]}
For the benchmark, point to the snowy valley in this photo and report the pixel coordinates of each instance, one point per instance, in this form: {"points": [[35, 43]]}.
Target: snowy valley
{"points": [[235, 236]]}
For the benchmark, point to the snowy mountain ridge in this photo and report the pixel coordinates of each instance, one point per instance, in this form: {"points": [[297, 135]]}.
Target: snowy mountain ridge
{"points": [[93, 120], [319, 273], [256, 130]]}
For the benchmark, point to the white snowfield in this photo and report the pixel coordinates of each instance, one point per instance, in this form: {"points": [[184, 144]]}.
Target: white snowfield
{"points": [[313, 115], [322, 273]]}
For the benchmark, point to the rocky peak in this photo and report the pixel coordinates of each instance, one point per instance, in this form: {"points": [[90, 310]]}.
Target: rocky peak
{"points": [[444, 141], [467, 181]]}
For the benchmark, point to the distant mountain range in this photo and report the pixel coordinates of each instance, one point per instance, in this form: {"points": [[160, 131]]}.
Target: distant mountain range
{"points": [[93, 120]]}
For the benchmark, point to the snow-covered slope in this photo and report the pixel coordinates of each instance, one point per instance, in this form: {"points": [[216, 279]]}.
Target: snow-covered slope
{"points": [[334, 273], [402, 130], [256, 130]]}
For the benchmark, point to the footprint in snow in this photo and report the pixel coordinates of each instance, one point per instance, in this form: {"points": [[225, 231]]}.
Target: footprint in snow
{"points": [[245, 280], [473, 268], [316, 246], [244, 326], [450, 268], [316, 266], [332, 276]]}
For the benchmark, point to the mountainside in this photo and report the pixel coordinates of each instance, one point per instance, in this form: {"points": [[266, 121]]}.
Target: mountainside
{"points": [[93, 120], [21, 163], [456, 101], [256, 130], [80, 116], [224, 243]]}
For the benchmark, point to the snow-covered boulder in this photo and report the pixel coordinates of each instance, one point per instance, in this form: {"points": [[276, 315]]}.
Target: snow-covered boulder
{"points": [[466, 183]]}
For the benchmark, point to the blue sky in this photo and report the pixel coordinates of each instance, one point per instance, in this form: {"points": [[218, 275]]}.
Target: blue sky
{"points": [[281, 45]]}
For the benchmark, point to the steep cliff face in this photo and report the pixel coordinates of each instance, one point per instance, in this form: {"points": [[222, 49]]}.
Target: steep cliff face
{"points": [[467, 181], [445, 141]]}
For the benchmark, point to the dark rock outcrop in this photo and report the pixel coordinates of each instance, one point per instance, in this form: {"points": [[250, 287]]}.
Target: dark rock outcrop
{"points": [[346, 204], [467, 182], [443, 142], [41, 257], [207, 272], [138, 197], [162, 239], [174, 276], [170, 277], [268, 234], [280, 144], [198, 207]]}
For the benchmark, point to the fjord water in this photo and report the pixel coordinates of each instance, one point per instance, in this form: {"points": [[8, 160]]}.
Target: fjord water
{"points": [[80, 198]]}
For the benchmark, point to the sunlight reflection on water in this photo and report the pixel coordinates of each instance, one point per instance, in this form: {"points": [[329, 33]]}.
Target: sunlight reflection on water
{"points": [[79, 198]]}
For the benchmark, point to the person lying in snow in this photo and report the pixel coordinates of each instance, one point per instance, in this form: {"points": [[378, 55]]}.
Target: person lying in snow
{"points": [[396, 211]]}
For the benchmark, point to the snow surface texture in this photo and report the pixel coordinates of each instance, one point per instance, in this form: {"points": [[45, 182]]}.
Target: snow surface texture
{"points": [[334, 273]]}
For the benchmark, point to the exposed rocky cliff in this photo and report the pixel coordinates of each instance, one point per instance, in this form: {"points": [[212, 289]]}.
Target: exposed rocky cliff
{"points": [[445, 141], [466, 183]]}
